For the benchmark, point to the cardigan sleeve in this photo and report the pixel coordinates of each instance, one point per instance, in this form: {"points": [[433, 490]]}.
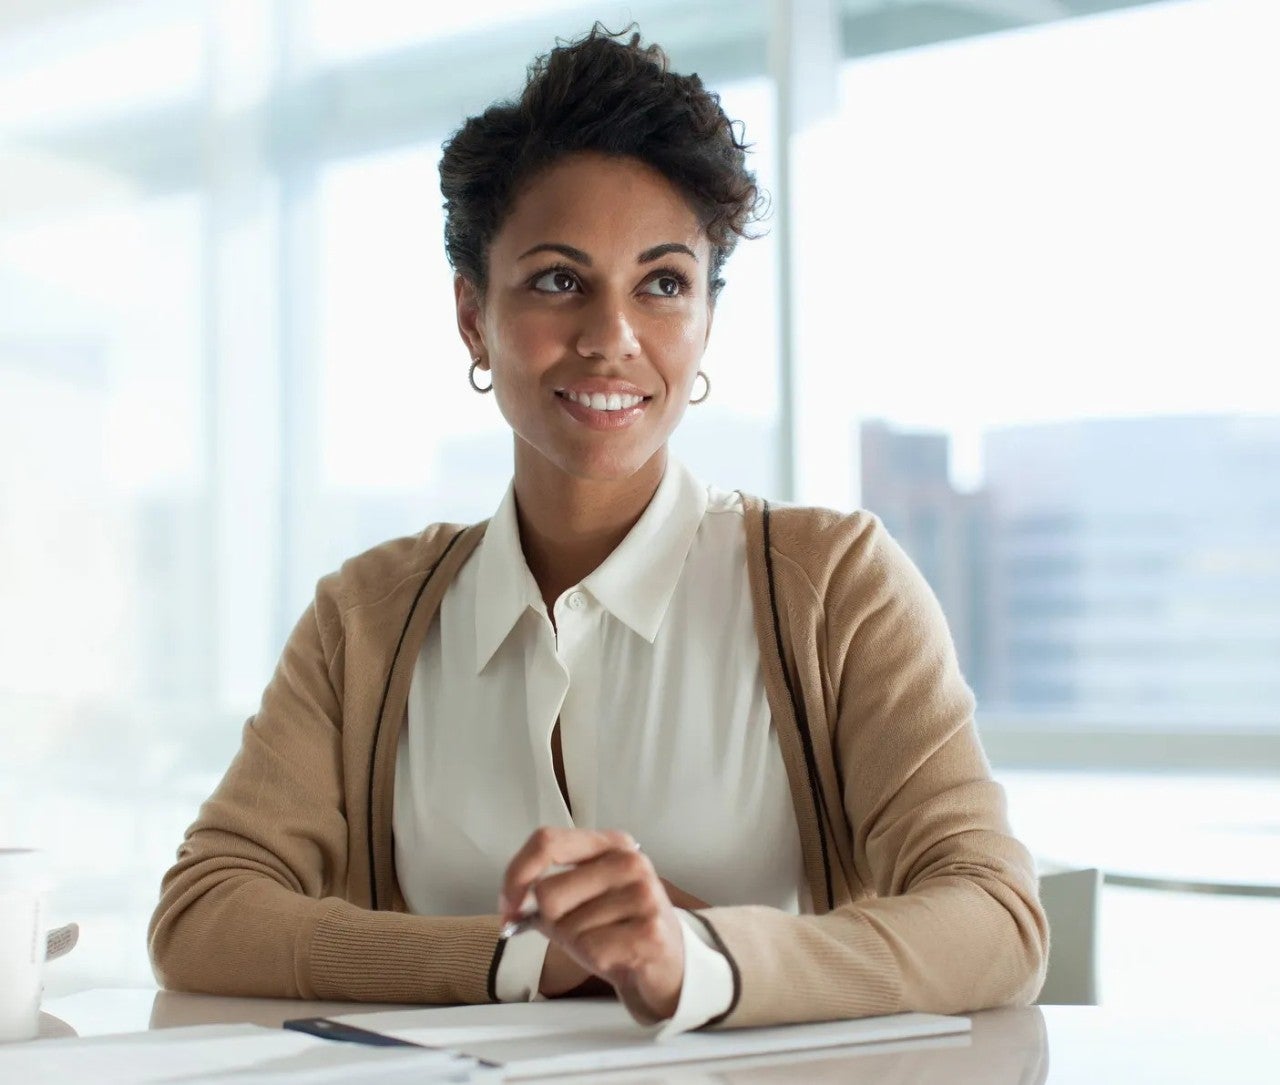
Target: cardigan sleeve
{"points": [[254, 904], [945, 915]]}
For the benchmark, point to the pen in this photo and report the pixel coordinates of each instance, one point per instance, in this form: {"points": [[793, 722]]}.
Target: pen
{"points": [[517, 926], [529, 913], [529, 910]]}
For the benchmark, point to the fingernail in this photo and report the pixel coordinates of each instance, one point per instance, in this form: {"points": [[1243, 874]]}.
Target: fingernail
{"points": [[502, 904]]}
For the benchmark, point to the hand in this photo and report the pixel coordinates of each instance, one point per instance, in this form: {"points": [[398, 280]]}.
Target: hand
{"points": [[562, 975], [610, 914]]}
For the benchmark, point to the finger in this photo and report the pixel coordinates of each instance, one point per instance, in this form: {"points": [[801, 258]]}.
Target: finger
{"points": [[624, 951], [548, 846], [560, 894], [620, 904]]}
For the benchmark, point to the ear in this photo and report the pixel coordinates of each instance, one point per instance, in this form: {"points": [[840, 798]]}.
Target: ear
{"points": [[711, 319], [467, 302]]}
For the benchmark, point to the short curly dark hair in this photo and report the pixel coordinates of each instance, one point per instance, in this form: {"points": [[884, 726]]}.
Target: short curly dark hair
{"points": [[597, 94]]}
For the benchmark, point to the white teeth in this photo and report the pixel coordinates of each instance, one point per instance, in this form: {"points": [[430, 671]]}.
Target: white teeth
{"points": [[600, 402]]}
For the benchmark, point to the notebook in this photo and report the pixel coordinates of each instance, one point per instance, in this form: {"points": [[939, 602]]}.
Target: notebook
{"points": [[227, 1054], [534, 1039]]}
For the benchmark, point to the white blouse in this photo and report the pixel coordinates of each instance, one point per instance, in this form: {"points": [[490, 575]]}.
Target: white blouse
{"points": [[653, 670]]}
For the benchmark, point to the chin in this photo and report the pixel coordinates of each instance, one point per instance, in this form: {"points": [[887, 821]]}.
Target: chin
{"points": [[603, 464], [603, 469]]}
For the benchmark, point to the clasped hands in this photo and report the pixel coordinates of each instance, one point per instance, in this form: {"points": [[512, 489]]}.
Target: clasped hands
{"points": [[609, 916]]}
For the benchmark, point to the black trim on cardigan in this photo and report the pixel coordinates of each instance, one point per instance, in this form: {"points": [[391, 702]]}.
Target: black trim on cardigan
{"points": [[802, 720], [377, 728], [733, 969], [491, 984]]}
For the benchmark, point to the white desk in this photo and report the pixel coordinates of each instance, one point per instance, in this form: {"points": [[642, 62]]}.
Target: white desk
{"points": [[1060, 1044], [1177, 833]]}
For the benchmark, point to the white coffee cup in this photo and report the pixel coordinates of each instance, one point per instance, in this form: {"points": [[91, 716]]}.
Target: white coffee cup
{"points": [[22, 942]]}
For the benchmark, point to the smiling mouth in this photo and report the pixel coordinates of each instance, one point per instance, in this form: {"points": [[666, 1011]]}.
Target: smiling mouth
{"points": [[598, 401]]}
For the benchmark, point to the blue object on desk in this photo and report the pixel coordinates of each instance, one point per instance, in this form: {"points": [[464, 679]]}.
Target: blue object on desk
{"points": [[335, 1030]]}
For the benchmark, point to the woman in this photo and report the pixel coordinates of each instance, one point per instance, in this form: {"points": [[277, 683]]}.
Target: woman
{"points": [[473, 722]]}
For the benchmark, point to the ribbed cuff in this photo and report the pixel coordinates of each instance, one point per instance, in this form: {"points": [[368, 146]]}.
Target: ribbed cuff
{"points": [[769, 949], [370, 956]]}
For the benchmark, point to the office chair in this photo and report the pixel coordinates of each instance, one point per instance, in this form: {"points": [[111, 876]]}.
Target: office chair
{"points": [[1070, 900]]}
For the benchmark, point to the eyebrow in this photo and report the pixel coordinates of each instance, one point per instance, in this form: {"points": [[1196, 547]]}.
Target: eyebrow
{"points": [[659, 251], [582, 258]]}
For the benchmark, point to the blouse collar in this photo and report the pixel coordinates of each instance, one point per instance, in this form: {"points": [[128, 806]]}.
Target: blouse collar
{"points": [[635, 583]]}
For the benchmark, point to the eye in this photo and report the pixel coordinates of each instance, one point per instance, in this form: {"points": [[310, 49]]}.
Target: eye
{"points": [[670, 283], [562, 281]]}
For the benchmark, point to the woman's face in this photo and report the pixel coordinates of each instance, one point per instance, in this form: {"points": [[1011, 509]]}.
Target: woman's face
{"points": [[595, 317]]}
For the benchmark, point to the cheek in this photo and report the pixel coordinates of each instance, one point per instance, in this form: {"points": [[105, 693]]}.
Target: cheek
{"points": [[528, 340], [525, 345], [681, 345]]}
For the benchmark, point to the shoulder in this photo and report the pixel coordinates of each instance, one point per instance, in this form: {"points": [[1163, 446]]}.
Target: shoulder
{"points": [[822, 542], [383, 572], [848, 560]]}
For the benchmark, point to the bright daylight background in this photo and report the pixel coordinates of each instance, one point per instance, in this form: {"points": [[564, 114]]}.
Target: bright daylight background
{"points": [[1035, 263]]}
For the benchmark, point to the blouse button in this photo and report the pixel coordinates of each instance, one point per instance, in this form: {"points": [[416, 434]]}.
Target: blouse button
{"points": [[577, 601]]}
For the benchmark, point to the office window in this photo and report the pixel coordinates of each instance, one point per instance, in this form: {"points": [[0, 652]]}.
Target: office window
{"points": [[1060, 327], [1057, 254]]}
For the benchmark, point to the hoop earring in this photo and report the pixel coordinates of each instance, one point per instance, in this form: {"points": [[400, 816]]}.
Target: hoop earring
{"points": [[707, 390], [471, 376]]}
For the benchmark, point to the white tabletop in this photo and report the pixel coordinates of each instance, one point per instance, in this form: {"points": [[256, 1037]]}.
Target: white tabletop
{"points": [[1061, 1044], [1194, 833]]}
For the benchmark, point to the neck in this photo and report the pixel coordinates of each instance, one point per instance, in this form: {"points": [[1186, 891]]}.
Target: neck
{"points": [[568, 526]]}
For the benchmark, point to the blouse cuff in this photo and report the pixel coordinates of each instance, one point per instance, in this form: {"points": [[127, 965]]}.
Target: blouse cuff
{"points": [[707, 990], [520, 970]]}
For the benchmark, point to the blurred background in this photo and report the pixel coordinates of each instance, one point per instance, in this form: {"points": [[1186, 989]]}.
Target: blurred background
{"points": [[1017, 295]]}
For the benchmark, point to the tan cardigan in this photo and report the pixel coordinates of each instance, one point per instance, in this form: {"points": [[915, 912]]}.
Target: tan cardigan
{"points": [[286, 883]]}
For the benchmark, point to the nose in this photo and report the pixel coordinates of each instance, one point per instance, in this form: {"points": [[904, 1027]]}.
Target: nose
{"points": [[606, 330]]}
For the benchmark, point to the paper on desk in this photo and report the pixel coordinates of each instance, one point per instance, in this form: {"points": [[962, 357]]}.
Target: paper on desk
{"points": [[226, 1054], [533, 1039]]}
